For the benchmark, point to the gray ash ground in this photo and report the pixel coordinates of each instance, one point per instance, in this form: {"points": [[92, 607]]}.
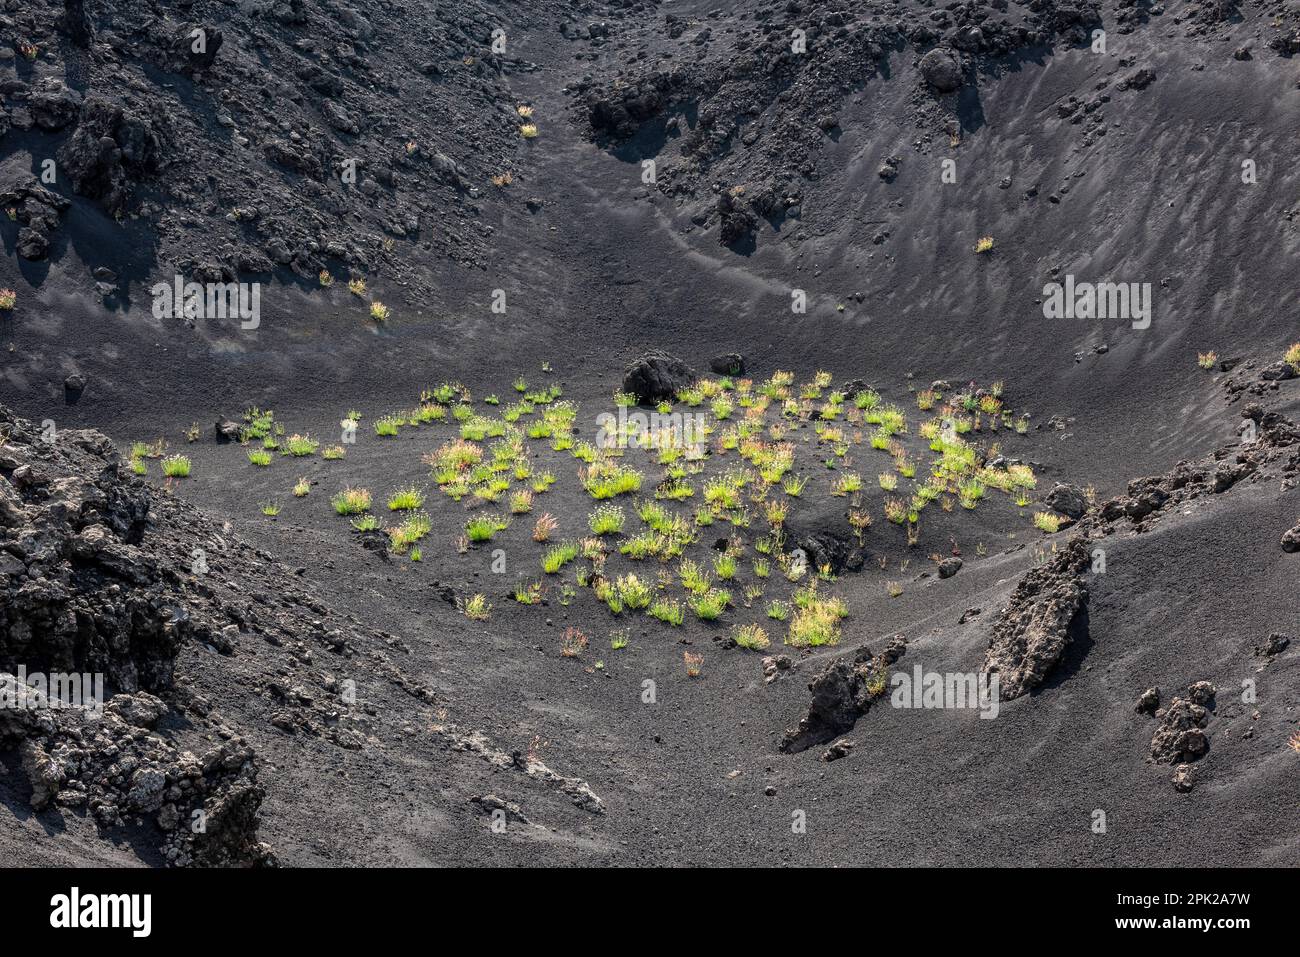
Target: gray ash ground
{"points": [[324, 701]]}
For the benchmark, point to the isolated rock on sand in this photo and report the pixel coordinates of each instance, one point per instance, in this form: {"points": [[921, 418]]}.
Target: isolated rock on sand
{"points": [[1067, 499], [840, 749], [1184, 778], [656, 376], [826, 541], [1034, 628], [38, 211], [841, 693], [1148, 701], [226, 430], [940, 71], [1276, 644], [1291, 539], [949, 567], [1181, 736], [775, 666], [729, 363]]}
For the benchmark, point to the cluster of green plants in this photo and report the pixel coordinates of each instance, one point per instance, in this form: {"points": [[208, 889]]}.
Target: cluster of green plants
{"points": [[749, 481]]}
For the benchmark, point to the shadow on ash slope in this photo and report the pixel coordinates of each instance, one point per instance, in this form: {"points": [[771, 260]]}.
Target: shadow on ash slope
{"points": [[1176, 584], [213, 659]]}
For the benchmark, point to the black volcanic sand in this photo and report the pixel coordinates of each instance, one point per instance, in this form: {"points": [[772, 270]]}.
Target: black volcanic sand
{"points": [[607, 267]]}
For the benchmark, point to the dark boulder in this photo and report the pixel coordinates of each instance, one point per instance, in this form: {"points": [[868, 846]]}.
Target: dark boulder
{"points": [[656, 376], [53, 106], [1148, 701], [1034, 628], [825, 537], [193, 47], [1068, 500], [940, 70], [730, 363], [1279, 371], [227, 431], [1291, 540], [76, 23], [739, 221], [1181, 736], [842, 693]]}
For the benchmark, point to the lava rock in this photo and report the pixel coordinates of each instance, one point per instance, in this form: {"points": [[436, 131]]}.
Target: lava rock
{"points": [[1279, 371], [227, 431], [1181, 736], [840, 749], [1068, 500], [1276, 644], [940, 70], [656, 376], [1034, 628], [729, 363], [53, 105], [1148, 701]]}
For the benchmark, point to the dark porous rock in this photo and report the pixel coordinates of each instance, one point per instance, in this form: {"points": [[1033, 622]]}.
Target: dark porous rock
{"points": [[656, 376], [618, 112], [1276, 644], [842, 693], [1148, 701], [227, 430], [729, 363], [1202, 693], [31, 244], [839, 749], [854, 387], [38, 211], [1181, 736], [739, 221], [1291, 539], [108, 149], [1279, 371], [949, 567], [193, 47], [775, 666], [139, 710], [75, 384], [53, 105], [1140, 80], [825, 538], [1184, 778], [940, 70], [1067, 499], [1034, 628], [446, 170]]}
